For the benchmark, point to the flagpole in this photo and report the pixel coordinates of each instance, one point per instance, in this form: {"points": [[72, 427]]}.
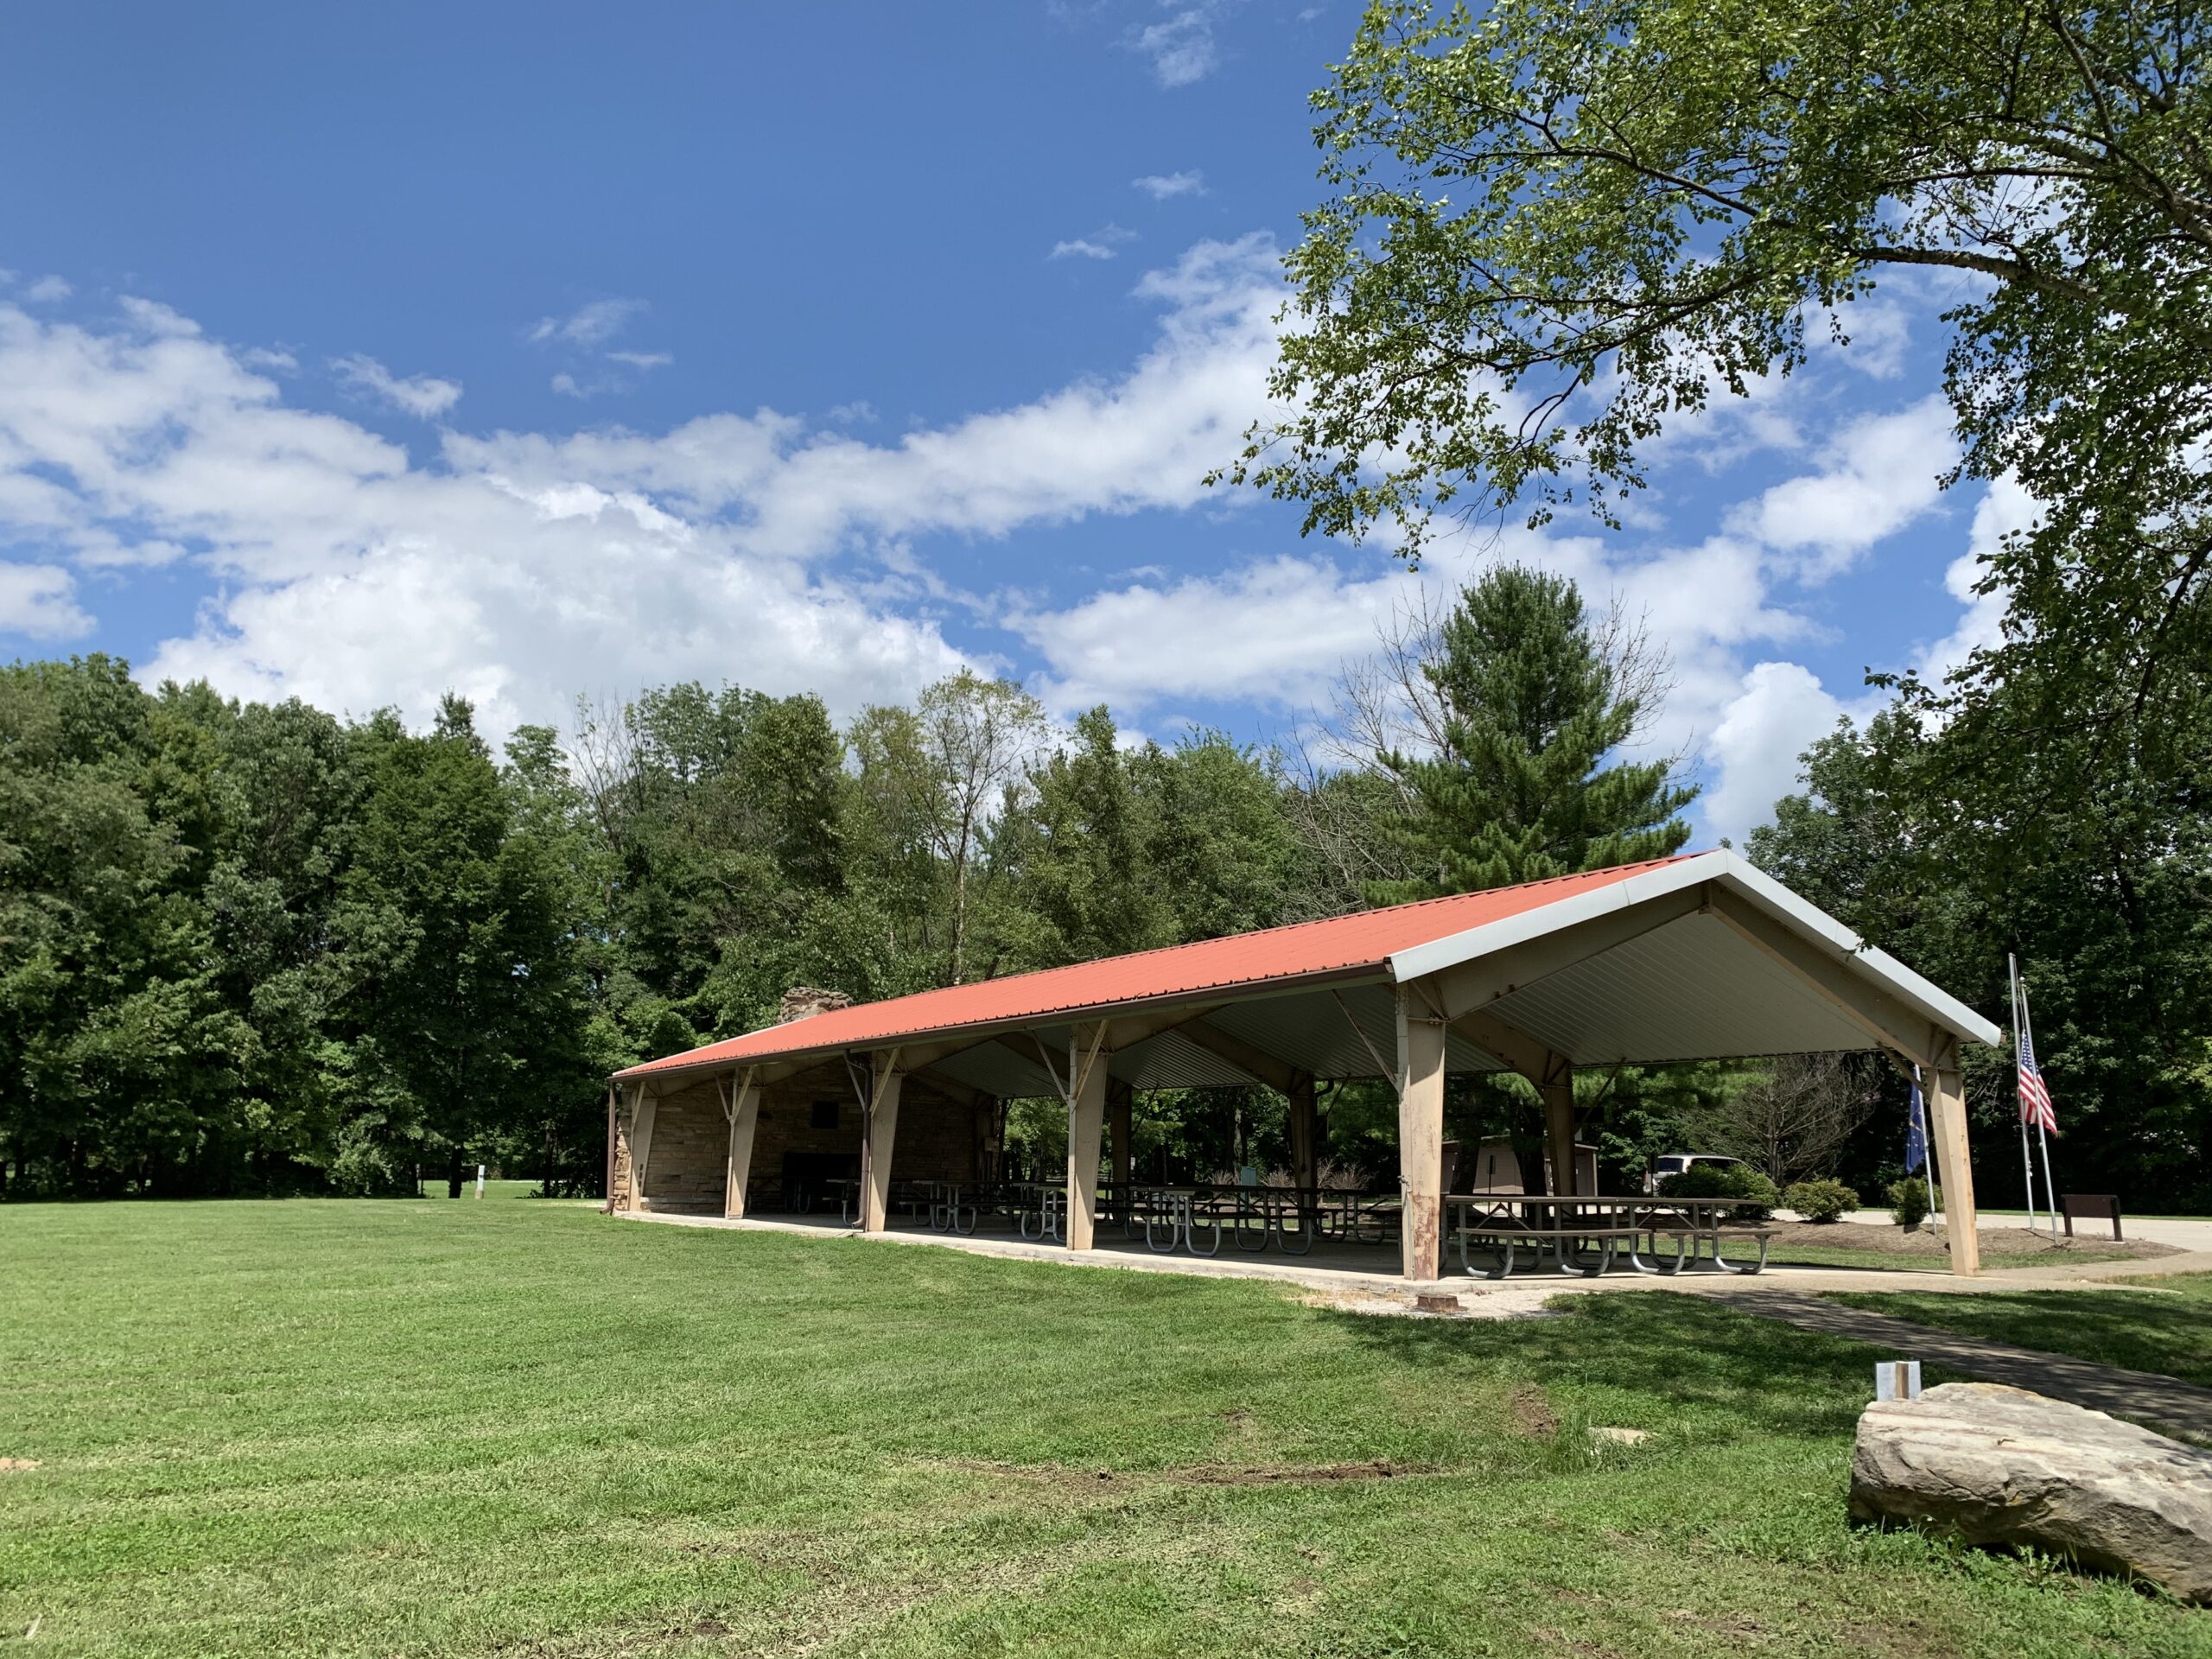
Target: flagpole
{"points": [[2027, 1158], [2042, 1137], [1927, 1152]]}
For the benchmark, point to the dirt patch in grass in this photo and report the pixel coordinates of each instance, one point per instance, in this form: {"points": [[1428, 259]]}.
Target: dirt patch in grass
{"points": [[1202, 1474], [17, 1465], [1292, 1474], [1532, 1413]]}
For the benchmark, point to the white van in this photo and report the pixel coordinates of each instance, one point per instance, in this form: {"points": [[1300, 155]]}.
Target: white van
{"points": [[1674, 1163]]}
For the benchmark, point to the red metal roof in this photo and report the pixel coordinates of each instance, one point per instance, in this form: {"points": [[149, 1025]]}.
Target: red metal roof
{"points": [[1341, 945]]}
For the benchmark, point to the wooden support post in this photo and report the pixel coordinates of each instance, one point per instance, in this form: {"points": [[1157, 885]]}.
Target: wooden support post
{"points": [[1086, 1119], [1946, 1107], [1421, 1132], [1558, 1091], [1120, 1098], [642, 1107], [882, 1134], [743, 1108], [1305, 1156]]}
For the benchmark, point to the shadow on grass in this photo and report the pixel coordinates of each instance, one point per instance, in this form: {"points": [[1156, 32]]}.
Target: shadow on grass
{"points": [[1696, 1356], [2168, 1335]]}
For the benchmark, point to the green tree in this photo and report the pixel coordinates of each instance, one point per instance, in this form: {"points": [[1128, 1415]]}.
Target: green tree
{"points": [[1104, 849], [935, 777], [1222, 847], [121, 1057], [1530, 708], [275, 899], [467, 1022], [1073, 855], [728, 817], [1555, 225], [2102, 893]]}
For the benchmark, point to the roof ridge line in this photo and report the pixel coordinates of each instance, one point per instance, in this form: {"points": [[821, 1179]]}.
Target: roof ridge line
{"points": [[1254, 933]]}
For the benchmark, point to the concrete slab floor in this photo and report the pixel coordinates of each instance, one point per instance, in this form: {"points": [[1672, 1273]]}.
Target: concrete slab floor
{"points": [[1351, 1275]]}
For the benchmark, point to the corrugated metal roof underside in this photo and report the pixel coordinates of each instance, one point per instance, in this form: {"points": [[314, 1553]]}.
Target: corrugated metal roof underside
{"points": [[1694, 990]]}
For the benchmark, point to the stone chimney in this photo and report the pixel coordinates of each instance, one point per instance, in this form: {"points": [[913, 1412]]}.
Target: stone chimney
{"points": [[804, 1002]]}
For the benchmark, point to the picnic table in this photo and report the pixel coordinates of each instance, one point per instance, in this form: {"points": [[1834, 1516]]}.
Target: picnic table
{"points": [[951, 1207], [1040, 1208], [1587, 1234], [1255, 1217]]}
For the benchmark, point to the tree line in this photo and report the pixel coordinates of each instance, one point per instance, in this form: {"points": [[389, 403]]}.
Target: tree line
{"points": [[259, 948]]}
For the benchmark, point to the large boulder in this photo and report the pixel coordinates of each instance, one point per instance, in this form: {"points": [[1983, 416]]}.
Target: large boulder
{"points": [[1996, 1465]]}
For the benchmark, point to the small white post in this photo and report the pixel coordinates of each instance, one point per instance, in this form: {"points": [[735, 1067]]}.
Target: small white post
{"points": [[1898, 1379], [479, 1180]]}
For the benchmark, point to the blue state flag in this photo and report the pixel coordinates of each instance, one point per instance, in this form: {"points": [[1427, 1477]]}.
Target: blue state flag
{"points": [[1915, 1134]]}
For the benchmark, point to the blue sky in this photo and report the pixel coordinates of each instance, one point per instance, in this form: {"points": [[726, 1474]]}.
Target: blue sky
{"points": [[542, 351]]}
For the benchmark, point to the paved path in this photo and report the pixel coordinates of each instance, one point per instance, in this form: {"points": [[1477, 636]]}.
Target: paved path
{"points": [[2189, 1232], [2140, 1396]]}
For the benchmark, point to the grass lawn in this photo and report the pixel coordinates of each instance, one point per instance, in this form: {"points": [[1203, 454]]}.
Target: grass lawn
{"points": [[500, 1189], [1812, 1256], [521, 1428], [2165, 1327]]}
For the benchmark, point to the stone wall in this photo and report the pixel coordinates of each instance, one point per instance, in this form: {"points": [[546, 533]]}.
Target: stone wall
{"points": [[815, 1114]]}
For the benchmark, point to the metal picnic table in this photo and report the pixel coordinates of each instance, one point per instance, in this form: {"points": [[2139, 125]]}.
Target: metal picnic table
{"points": [[1255, 1217], [1574, 1228]]}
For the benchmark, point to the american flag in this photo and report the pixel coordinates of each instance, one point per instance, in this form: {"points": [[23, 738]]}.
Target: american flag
{"points": [[1916, 1132], [2035, 1098]]}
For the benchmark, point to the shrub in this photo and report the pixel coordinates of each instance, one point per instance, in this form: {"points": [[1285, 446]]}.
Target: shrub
{"points": [[1820, 1201], [1909, 1202], [1725, 1181]]}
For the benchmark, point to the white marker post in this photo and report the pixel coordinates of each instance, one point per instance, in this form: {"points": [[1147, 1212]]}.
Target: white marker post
{"points": [[479, 1180], [1898, 1379]]}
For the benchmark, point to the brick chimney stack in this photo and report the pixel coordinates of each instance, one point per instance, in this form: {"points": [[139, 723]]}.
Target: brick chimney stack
{"points": [[804, 1002]]}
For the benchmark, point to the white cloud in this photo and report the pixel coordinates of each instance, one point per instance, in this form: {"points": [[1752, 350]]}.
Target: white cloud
{"points": [[155, 318], [1780, 709], [1143, 441], [1882, 473], [2005, 508], [418, 395], [40, 600], [1272, 633], [1099, 244], [565, 383], [1182, 47], [1163, 186], [47, 290], [1878, 334], [589, 325], [520, 569], [642, 360]]}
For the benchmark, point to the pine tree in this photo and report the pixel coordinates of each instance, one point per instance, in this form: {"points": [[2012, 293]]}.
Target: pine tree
{"points": [[1533, 705]]}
